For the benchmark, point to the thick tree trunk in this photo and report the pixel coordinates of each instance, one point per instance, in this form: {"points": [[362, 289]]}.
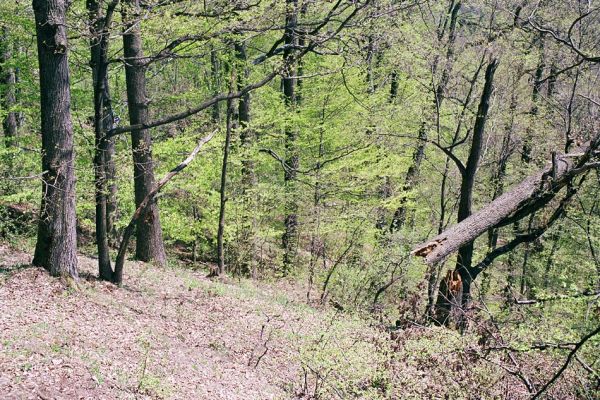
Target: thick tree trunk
{"points": [[290, 236], [56, 247], [8, 77], [149, 240]]}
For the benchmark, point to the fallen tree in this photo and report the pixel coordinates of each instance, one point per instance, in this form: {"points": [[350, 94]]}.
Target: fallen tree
{"points": [[532, 194]]}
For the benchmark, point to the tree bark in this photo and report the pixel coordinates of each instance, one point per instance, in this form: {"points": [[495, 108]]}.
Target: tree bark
{"points": [[8, 77], [465, 253], [290, 235], [223, 191], [149, 240], [56, 247], [103, 123], [247, 139], [533, 193]]}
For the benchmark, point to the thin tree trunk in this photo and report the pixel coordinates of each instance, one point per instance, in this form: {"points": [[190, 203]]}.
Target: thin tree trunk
{"points": [[290, 236], [465, 253], [8, 77], [223, 191], [56, 247], [412, 175], [249, 180], [216, 77], [103, 122], [527, 141], [149, 240]]}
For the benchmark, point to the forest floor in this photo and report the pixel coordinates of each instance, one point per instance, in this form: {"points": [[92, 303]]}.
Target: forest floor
{"points": [[168, 333], [172, 333]]}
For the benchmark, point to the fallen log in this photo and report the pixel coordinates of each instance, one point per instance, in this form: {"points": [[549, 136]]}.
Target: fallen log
{"points": [[533, 193]]}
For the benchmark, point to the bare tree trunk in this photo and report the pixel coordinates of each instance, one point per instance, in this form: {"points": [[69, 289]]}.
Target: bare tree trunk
{"points": [[215, 73], [465, 253], [527, 141], [103, 122], [149, 241], [223, 191], [290, 236], [247, 138], [533, 193], [56, 247], [412, 175], [147, 202], [8, 77]]}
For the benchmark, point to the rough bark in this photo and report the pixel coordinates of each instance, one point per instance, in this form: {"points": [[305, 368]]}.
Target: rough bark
{"points": [[56, 247], [531, 194], [8, 78], [149, 241]]}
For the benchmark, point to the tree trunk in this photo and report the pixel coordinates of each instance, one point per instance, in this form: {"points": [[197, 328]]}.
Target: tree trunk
{"points": [[249, 180], [447, 299], [149, 241], [103, 122], [412, 175], [8, 77], [290, 236], [56, 247], [527, 141], [223, 191]]}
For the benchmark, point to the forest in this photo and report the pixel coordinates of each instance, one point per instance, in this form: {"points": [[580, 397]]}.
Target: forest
{"points": [[300, 199]]}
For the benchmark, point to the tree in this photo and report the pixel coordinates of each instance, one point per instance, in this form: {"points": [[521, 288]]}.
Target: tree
{"points": [[56, 247], [8, 78], [100, 21], [290, 235], [149, 244]]}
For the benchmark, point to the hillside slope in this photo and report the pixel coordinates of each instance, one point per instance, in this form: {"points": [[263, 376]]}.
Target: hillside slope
{"points": [[171, 333], [168, 333]]}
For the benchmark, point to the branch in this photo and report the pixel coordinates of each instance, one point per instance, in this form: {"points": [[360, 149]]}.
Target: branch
{"points": [[206, 104], [566, 364], [150, 197]]}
